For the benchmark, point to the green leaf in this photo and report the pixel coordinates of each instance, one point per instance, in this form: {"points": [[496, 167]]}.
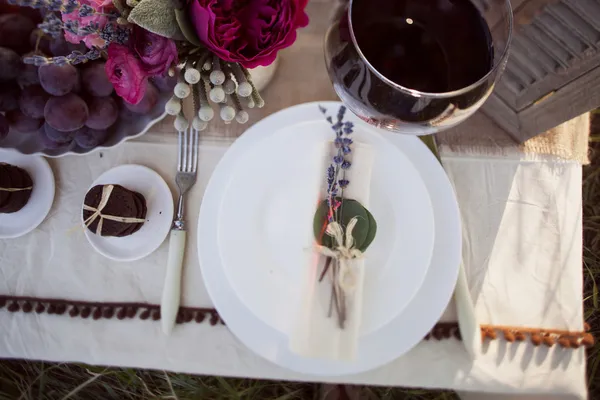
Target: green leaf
{"points": [[186, 27], [349, 210], [156, 16], [319, 225], [372, 232]]}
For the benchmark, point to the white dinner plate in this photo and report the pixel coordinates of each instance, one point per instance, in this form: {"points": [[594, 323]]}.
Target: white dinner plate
{"points": [[375, 348], [159, 216], [265, 226], [42, 195]]}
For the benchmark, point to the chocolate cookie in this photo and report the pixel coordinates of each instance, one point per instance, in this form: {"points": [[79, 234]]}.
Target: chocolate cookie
{"points": [[122, 203], [5, 182], [134, 227], [19, 179]]}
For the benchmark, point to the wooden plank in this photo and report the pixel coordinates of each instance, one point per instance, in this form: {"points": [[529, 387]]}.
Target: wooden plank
{"points": [[502, 115], [555, 81], [573, 99]]}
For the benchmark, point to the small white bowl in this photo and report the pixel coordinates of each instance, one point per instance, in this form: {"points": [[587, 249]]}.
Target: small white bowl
{"points": [[159, 216], [42, 195]]}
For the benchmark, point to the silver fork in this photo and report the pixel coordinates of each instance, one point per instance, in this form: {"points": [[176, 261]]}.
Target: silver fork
{"points": [[187, 165]]}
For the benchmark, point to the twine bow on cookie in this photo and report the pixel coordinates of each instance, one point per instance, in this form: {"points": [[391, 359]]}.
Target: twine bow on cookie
{"points": [[15, 189], [343, 252], [97, 212]]}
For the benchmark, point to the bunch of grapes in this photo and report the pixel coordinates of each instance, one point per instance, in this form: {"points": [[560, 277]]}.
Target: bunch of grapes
{"points": [[64, 105]]}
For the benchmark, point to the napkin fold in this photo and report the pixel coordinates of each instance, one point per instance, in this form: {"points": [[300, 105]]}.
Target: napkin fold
{"points": [[317, 333]]}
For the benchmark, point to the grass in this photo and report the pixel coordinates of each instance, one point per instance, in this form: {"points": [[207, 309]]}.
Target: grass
{"points": [[48, 381]]}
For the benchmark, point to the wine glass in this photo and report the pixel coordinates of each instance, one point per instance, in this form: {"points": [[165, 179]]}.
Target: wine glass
{"points": [[417, 66]]}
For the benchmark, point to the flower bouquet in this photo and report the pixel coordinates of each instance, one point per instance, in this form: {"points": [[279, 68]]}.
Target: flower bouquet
{"points": [[204, 47]]}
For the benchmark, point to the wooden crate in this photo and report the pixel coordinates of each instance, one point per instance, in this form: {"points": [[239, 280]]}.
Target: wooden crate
{"points": [[553, 72]]}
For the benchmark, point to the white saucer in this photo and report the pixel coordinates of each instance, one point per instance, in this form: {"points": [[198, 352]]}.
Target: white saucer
{"points": [[159, 216], [42, 195]]}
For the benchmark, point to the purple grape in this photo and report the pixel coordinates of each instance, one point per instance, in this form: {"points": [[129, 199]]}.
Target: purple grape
{"points": [[95, 81], [164, 83], [126, 114], [43, 45], [4, 127], [66, 113], [48, 143], [58, 80], [22, 123], [59, 46], [14, 31], [103, 112], [33, 100], [10, 64], [88, 138], [148, 102], [9, 96], [28, 75], [58, 136], [80, 47]]}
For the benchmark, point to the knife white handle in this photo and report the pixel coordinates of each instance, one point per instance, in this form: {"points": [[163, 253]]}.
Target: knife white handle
{"points": [[470, 330], [169, 305]]}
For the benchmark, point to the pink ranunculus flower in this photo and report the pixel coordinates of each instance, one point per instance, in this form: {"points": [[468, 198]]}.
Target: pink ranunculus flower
{"points": [[250, 32], [125, 72], [157, 53]]}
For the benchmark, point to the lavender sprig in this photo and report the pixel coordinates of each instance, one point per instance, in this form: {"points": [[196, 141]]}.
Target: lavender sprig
{"points": [[336, 173], [64, 6], [336, 181], [75, 57]]}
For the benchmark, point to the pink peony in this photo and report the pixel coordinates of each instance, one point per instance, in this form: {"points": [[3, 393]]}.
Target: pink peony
{"points": [[157, 53], [125, 72], [249, 32]]}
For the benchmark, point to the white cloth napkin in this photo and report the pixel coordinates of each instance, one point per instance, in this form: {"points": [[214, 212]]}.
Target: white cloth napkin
{"points": [[522, 250], [317, 334]]}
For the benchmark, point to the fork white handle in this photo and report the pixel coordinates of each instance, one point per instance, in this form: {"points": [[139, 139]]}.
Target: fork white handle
{"points": [[169, 306]]}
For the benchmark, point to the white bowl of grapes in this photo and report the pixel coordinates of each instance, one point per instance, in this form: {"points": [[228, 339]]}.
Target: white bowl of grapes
{"points": [[55, 110]]}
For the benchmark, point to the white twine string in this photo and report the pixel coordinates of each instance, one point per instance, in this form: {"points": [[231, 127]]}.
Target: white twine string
{"points": [[106, 192], [15, 189], [342, 253]]}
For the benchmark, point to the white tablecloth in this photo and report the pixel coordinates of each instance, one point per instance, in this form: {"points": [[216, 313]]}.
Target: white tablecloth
{"points": [[523, 243]]}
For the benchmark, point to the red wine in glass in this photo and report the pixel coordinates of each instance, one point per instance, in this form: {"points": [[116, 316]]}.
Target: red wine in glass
{"points": [[416, 66]]}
